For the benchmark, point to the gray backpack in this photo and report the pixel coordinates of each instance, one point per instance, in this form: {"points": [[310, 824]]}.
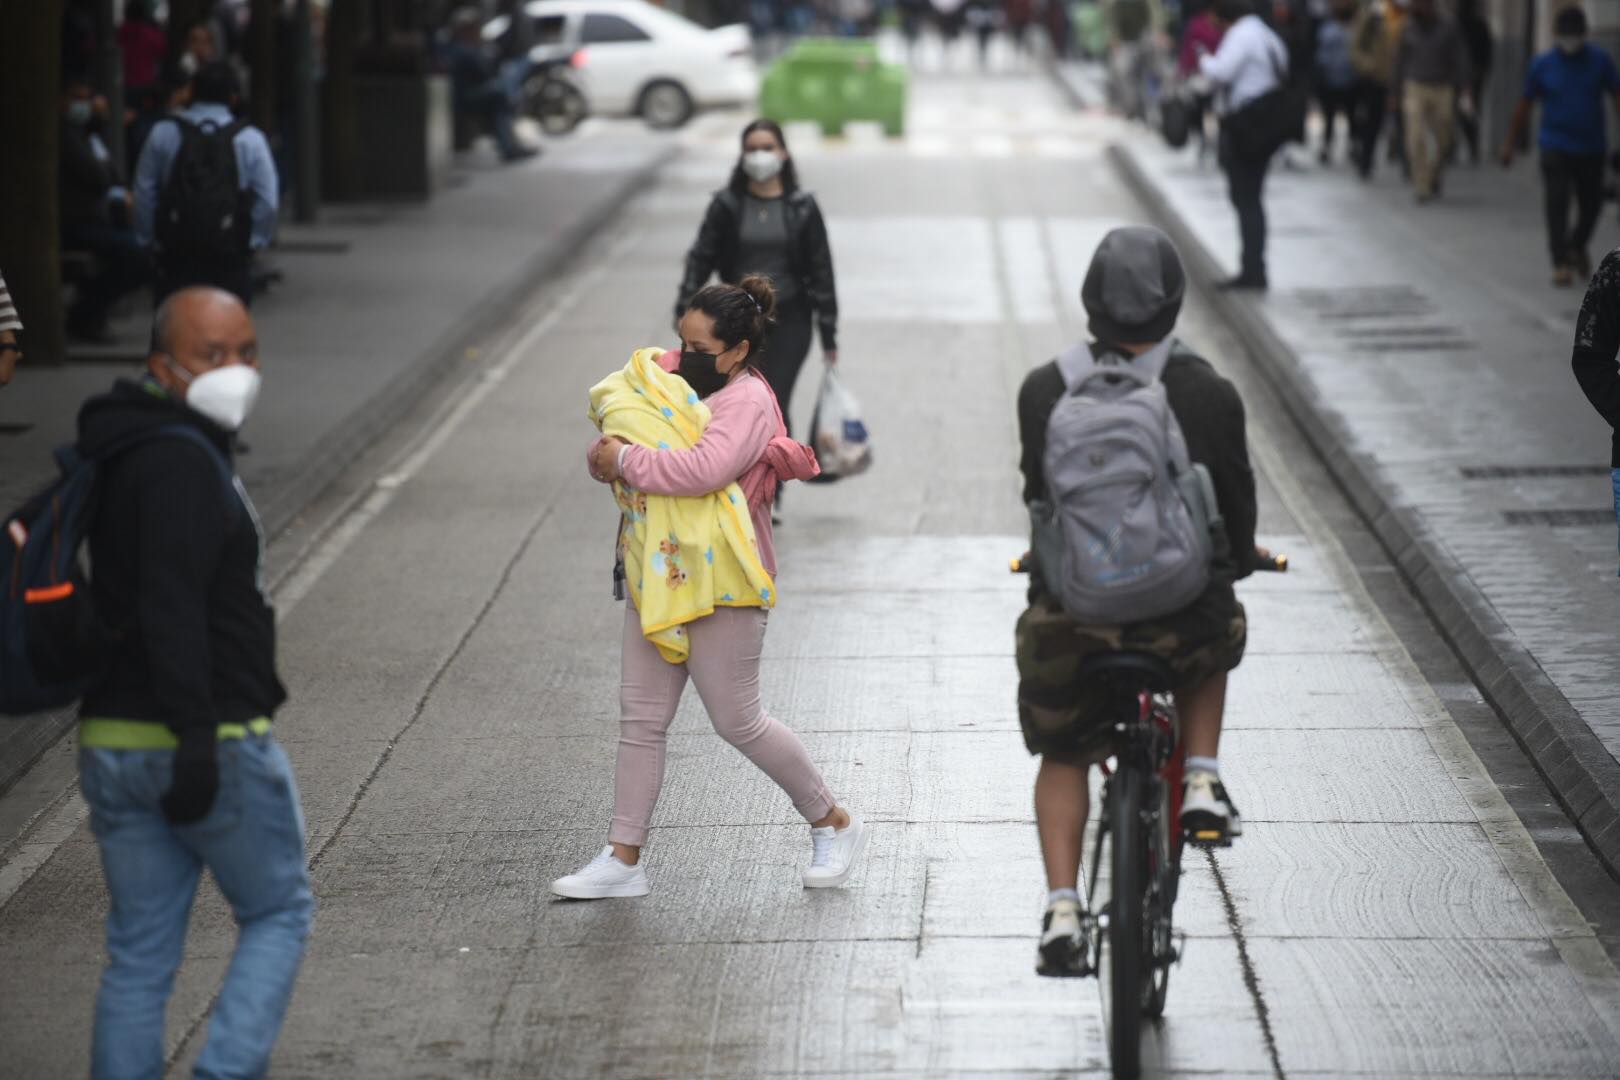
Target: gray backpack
{"points": [[1130, 524]]}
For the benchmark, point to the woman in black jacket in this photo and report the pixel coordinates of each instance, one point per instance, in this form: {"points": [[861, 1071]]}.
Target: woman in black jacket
{"points": [[763, 223]]}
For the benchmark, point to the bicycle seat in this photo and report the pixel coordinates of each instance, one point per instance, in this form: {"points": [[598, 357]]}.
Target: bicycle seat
{"points": [[1129, 671]]}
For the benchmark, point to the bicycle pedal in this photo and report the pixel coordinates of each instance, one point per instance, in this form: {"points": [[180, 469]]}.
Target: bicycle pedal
{"points": [[1209, 838]]}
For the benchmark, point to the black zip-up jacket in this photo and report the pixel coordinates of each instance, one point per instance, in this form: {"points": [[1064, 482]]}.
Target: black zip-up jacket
{"points": [[1212, 421], [1597, 341], [176, 573], [715, 250]]}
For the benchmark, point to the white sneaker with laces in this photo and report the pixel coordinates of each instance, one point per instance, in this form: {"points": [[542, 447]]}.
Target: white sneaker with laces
{"points": [[1065, 949], [1207, 812], [834, 853], [603, 877]]}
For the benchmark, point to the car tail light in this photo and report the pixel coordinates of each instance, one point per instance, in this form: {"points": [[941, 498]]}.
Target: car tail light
{"points": [[580, 58]]}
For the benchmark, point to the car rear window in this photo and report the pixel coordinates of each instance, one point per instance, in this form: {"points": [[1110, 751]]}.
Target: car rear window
{"points": [[548, 30], [599, 29]]}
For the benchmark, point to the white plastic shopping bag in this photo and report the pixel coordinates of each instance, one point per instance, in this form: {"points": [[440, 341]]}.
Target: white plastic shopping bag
{"points": [[837, 432]]}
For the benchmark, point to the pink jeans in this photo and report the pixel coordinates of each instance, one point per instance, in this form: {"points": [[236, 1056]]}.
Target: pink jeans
{"points": [[725, 667]]}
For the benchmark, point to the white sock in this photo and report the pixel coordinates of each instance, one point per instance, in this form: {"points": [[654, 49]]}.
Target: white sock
{"points": [[1208, 764], [1062, 894]]}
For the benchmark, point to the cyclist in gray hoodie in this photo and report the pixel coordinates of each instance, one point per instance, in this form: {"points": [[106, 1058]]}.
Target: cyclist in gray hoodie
{"points": [[1132, 296]]}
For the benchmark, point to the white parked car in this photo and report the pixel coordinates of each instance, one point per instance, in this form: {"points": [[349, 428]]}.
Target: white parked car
{"points": [[633, 58]]}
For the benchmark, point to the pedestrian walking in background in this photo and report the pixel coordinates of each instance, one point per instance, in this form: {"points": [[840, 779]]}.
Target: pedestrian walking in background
{"points": [[740, 456], [1292, 21], [479, 88], [1336, 73], [1570, 82], [1133, 29], [176, 759], [1597, 344], [144, 46], [94, 212], [1251, 63], [1481, 45], [763, 223], [1201, 37], [206, 195], [10, 327], [1432, 77], [1132, 295], [1372, 54]]}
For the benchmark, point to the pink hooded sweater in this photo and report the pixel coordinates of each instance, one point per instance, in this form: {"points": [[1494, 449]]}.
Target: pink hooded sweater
{"points": [[746, 441]]}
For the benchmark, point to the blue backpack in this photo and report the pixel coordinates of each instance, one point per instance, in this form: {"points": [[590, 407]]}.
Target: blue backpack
{"points": [[51, 645]]}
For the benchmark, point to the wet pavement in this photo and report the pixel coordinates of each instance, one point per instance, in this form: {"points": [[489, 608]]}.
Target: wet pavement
{"points": [[451, 649]]}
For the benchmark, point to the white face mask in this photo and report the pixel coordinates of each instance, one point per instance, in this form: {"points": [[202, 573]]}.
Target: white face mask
{"points": [[225, 395], [1571, 45], [188, 64], [761, 165]]}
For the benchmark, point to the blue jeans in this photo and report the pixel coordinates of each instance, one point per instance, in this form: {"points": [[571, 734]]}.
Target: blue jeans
{"points": [[253, 842]]}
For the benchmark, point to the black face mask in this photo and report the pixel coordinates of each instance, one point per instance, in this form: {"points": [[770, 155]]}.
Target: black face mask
{"points": [[701, 373]]}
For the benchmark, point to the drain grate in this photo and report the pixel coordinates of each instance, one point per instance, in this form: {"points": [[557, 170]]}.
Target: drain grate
{"points": [[1516, 472], [1423, 344], [312, 247], [1559, 518], [1371, 302]]}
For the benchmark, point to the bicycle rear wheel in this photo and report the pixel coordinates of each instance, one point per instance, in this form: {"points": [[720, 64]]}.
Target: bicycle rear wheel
{"points": [[1163, 882], [1127, 941]]}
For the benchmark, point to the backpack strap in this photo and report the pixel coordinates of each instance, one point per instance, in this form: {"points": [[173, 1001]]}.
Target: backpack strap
{"points": [[1078, 365]]}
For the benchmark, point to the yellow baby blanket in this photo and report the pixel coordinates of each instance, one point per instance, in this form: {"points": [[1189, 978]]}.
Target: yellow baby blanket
{"points": [[683, 556]]}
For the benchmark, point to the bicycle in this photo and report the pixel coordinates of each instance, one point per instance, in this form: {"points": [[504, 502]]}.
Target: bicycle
{"points": [[1140, 831]]}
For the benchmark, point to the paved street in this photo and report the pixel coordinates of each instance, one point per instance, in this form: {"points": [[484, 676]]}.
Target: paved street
{"points": [[449, 640]]}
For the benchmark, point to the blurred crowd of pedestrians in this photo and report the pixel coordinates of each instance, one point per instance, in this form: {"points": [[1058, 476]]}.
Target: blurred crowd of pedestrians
{"points": [[1405, 80], [133, 219]]}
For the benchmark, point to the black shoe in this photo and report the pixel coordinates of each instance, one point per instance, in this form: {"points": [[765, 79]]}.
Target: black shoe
{"points": [[1243, 282], [1065, 949], [522, 153]]}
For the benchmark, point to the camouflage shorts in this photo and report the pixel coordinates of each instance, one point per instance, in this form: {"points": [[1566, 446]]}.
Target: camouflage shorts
{"points": [[1064, 718]]}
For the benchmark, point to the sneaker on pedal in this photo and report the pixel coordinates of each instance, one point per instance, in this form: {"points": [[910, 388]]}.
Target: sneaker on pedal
{"points": [[1065, 952], [602, 878], [1207, 813]]}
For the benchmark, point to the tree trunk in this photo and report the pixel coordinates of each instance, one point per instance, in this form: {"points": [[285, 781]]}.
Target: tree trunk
{"points": [[341, 143], [30, 248], [262, 55]]}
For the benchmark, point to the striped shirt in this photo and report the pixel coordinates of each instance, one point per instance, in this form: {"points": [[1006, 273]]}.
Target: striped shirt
{"points": [[8, 310]]}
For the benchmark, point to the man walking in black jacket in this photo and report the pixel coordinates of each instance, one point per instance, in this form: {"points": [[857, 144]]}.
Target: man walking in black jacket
{"points": [[1597, 342], [1132, 294], [177, 761]]}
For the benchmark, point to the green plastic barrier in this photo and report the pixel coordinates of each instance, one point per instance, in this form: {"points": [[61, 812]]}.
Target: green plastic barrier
{"points": [[832, 81]]}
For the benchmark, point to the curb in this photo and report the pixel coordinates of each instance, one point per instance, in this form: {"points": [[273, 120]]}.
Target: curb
{"points": [[1579, 769], [27, 740]]}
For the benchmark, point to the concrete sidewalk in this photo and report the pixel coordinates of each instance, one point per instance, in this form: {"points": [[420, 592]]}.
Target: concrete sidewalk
{"points": [[379, 302], [1426, 353]]}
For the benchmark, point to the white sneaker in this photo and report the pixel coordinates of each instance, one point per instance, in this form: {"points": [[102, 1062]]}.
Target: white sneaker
{"points": [[603, 877], [1207, 813], [1065, 949], [834, 853]]}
